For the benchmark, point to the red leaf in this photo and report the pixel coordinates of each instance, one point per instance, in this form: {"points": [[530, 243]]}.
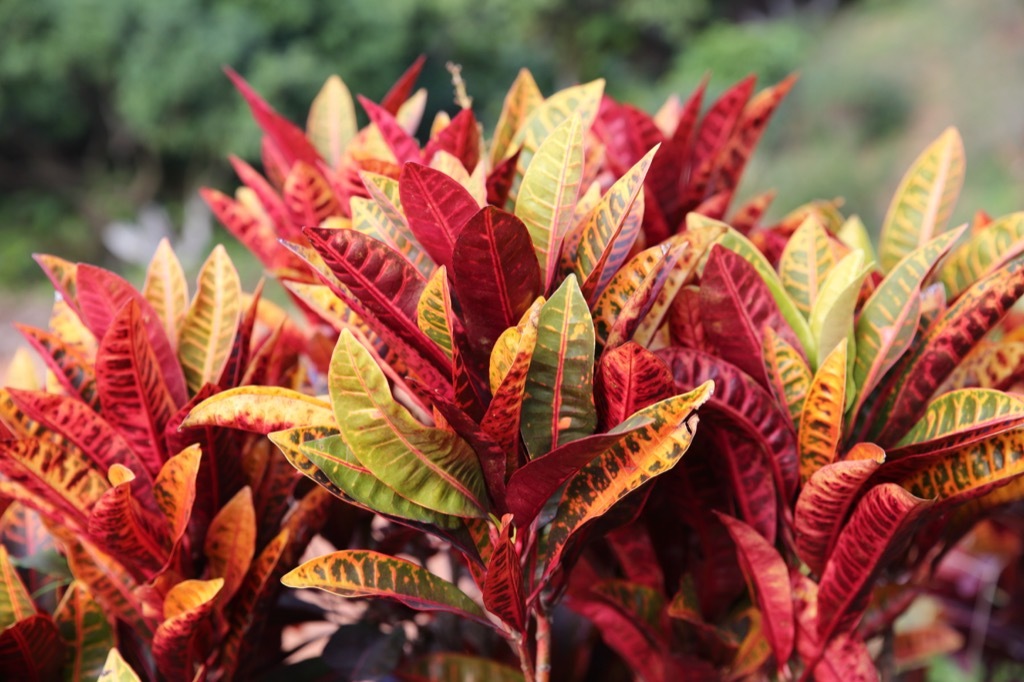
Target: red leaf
{"points": [[503, 586], [735, 307], [745, 403], [845, 659], [400, 91], [257, 235], [460, 138], [487, 449], [102, 294], [135, 397], [496, 274], [634, 549], [308, 196], [268, 196], [501, 179], [746, 217], [714, 132], [629, 378], [31, 650], [73, 370], [129, 533], [768, 576], [684, 323], [627, 133], [288, 139], [238, 358], [437, 207], [752, 486], [402, 144]]}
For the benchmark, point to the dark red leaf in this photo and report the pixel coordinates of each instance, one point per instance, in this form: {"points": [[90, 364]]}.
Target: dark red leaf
{"points": [[238, 359], [460, 138], [31, 650], [741, 461], [503, 586], [501, 179], [400, 91], [437, 207], [629, 378]]}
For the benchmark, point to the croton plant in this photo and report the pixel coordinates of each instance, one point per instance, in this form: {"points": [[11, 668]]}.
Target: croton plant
{"points": [[545, 404]]}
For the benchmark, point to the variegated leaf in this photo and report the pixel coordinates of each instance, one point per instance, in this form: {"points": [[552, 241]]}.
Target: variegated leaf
{"points": [[212, 320]]}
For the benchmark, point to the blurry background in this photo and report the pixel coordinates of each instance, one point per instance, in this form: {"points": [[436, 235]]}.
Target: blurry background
{"points": [[113, 112]]}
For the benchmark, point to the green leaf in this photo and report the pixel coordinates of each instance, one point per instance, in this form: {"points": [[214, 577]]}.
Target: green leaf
{"points": [[116, 670], [433, 310], [212, 320], [359, 573], [924, 200], [430, 466], [639, 456], [832, 315], [549, 191], [85, 629], [559, 402], [805, 262], [15, 602], [998, 243], [965, 413]]}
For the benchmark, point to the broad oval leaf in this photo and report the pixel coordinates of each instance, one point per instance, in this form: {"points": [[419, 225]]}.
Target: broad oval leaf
{"points": [[231, 543], [821, 420], [260, 409], [831, 318], [548, 193], [767, 574], [332, 120], [212, 321], [639, 456], [436, 208], [825, 501], [186, 606], [430, 466], [630, 378], [924, 200], [434, 310], [360, 573], [559, 403]]}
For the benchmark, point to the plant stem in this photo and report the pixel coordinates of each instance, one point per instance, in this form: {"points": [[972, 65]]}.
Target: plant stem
{"points": [[516, 640], [543, 646]]}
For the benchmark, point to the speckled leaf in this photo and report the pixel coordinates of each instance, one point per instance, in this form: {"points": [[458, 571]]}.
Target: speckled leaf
{"points": [[166, 290], [308, 195], [788, 373], [503, 586], [212, 321], [960, 418], [432, 467], [547, 196], [627, 464], [73, 369], [986, 251], [888, 321], [63, 274], [358, 573], [108, 581], [630, 378], [332, 120], [825, 501], [370, 219], [924, 200], [175, 489], [821, 420], [559, 402], [86, 631], [768, 576], [260, 409], [805, 262], [124, 528]]}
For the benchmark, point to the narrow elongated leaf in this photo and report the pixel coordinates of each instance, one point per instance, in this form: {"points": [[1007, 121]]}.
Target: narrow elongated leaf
{"points": [[101, 294], [578, 100], [402, 144], [742, 462], [290, 444], [844, 658], [115, 669], [630, 378], [135, 397], [503, 586], [460, 138], [947, 341], [334, 459], [15, 602], [166, 290], [924, 200], [522, 99], [768, 577], [358, 573], [559, 402], [231, 543], [735, 307], [805, 262], [369, 218], [448, 667], [432, 312], [825, 501], [888, 321], [255, 231], [750, 407], [642, 604], [960, 418], [831, 318], [332, 120], [495, 274], [63, 274], [821, 420], [649, 451], [175, 489], [548, 193], [86, 631], [108, 581], [430, 466], [877, 530], [212, 321], [308, 196], [436, 207], [186, 606], [31, 649], [788, 374], [398, 93], [986, 251], [73, 369], [124, 528], [260, 409]]}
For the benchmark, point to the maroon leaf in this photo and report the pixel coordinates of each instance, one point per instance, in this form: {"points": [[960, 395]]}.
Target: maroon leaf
{"points": [[627, 133], [402, 144], [746, 404], [501, 179], [287, 139], [503, 586], [101, 294], [715, 130], [31, 650], [735, 306], [496, 274], [684, 323], [635, 551], [845, 657], [400, 91], [753, 487], [768, 576], [436, 207], [460, 138], [73, 370], [629, 378]]}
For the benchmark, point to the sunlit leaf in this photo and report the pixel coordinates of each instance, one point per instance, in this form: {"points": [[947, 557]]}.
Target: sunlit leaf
{"points": [[821, 420], [212, 321], [359, 573], [231, 543], [831, 318], [166, 289], [432, 311], [924, 200], [186, 606], [260, 409], [986, 251], [805, 262], [332, 120], [522, 99], [175, 489], [436, 208]]}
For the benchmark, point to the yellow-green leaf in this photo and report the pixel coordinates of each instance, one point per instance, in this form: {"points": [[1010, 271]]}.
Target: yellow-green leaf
{"points": [[212, 321], [805, 262], [924, 200], [832, 314], [788, 374], [15, 602], [260, 409], [166, 290], [434, 309], [996, 244], [522, 100], [115, 669], [332, 120], [85, 629], [290, 444]]}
